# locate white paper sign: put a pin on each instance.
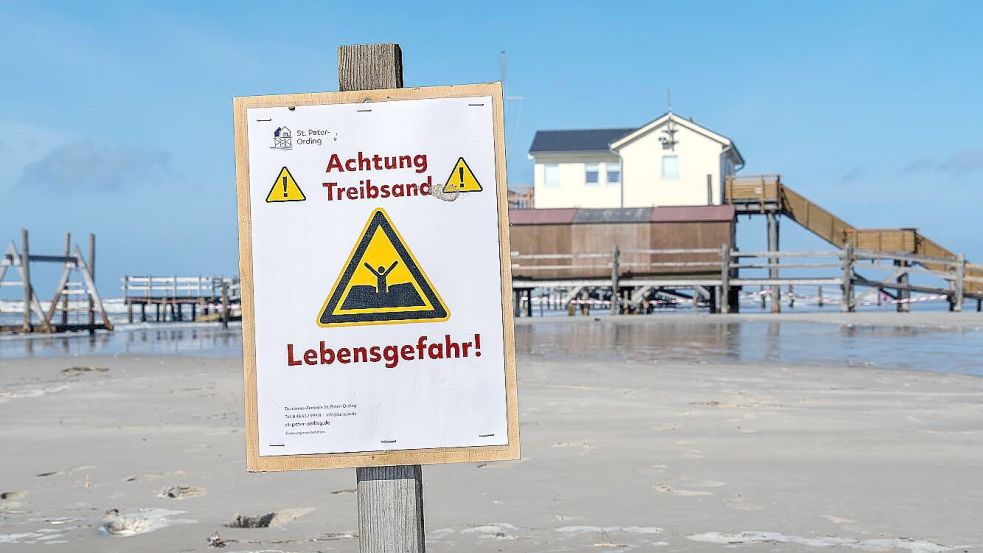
(376, 276)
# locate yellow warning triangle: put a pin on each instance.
(462, 179)
(382, 283)
(285, 189)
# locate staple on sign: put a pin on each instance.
(475, 105)
(388, 441)
(485, 435)
(264, 120)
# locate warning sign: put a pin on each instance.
(381, 283)
(376, 314)
(285, 189)
(462, 179)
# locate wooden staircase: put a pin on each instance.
(768, 194)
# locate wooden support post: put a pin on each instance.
(724, 306)
(959, 285)
(64, 296)
(225, 304)
(390, 499)
(194, 312)
(847, 285)
(903, 295)
(529, 303)
(158, 312)
(821, 302)
(92, 274)
(25, 265)
(143, 312)
(390, 509)
(615, 284)
(776, 291)
(791, 296)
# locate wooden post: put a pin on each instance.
(776, 291)
(64, 296)
(821, 302)
(225, 304)
(903, 295)
(615, 284)
(92, 273)
(143, 312)
(25, 265)
(724, 306)
(847, 286)
(390, 499)
(959, 284)
(529, 303)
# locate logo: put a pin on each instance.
(282, 139)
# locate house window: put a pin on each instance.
(670, 167)
(551, 175)
(613, 173)
(592, 173)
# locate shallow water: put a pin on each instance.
(714, 341)
(659, 340)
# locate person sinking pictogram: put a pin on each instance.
(381, 282)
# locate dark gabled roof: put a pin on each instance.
(583, 140)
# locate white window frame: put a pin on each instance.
(546, 175)
(667, 176)
(596, 171)
(607, 172)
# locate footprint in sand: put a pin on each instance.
(665, 488)
(120, 523)
(739, 503)
(181, 492)
(269, 520)
(838, 520)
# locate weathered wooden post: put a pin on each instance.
(820, 300)
(959, 284)
(724, 306)
(64, 297)
(225, 304)
(529, 303)
(904, 294)
(92, 273)
(25, 271)
(615, 285)
(847, 284)
(776, 291)
(390, 499)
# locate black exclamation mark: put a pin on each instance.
(460, 172)
(284, 186)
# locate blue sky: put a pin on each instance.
(116, 118)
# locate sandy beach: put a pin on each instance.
(645, 433)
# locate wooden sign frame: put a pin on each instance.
(254, 461)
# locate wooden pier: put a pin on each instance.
(62, 314)
(639, 277)
(207, 298)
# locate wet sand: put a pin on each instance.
(670, 451)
